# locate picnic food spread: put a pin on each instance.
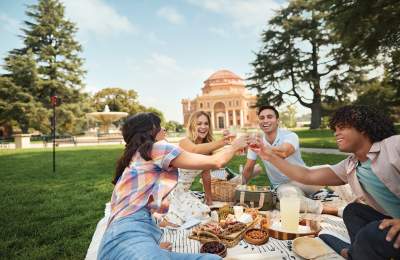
(228, 230)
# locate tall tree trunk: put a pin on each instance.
(316, 109)
(316, 113)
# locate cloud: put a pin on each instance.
(9, 24)
(97, 17)
(163, 63)
(247, 15)
(171, 15)
(154, 39)
(161, 71)
(219, 31)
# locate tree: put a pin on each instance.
(173, 126)
(302, 58)
(122, 100)
(368, 27)
(288, 117)
(157, 112)
(383, 94)
(18, 105)
(49, 38)
(17, 102)
(118, 99)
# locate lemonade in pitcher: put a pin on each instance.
(290, 213)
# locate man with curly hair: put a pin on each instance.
(373, 173)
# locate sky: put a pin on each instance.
(163, 50)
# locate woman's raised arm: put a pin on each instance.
(188, 160)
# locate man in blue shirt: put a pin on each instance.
(286, 145)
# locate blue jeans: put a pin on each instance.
(137, 237)
(367, 240)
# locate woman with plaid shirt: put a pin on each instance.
(145, 174)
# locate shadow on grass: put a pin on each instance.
(50, 215)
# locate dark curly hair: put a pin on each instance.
(139, 132)
(376, 125)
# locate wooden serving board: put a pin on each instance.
(230, 240)
(284, 235)
(235, 235)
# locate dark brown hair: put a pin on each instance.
(139, 132)
(268, 107)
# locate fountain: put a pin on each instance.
(106, 118)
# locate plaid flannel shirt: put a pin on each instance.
(146, 183)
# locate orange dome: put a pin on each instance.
(223, 74)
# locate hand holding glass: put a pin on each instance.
(255, 141)
(229, 135)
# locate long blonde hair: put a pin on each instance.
(191, 127)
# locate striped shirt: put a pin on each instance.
(146, 183)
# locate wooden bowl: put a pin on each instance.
(214, 247)
(314, 226)
(262, 236)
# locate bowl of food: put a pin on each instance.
(214, 247)
(256, 236)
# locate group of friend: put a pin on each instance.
(153, 180)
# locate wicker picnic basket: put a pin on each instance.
(222, 190)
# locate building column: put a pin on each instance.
(241, 118)
(226, 118)
(213, 119)
(234, 118)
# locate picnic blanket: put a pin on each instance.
(277, 249)
(281, 249)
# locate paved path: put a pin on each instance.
(323, 150)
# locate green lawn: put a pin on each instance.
(53, 216)
(316, 138)
(321, 138)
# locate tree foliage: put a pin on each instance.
(173, 126)
(122, 100)
(368, 27)
(288, 117)
(48, 64)
(117, 99)
(302, 58)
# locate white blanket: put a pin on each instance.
(272, 250)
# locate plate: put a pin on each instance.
(309, 248)
(311, 229)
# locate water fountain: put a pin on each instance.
(106, 118)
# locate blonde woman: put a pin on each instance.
(183, 204)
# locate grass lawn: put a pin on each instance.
(53, 216)
(316, 138)
(321, 138)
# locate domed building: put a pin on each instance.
(225, 98)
